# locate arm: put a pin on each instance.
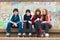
(24, 18)
(41, 19)
(10, 19)
(49, 19)
(46, 21)
(30, 21)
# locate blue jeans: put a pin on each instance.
(9, 26)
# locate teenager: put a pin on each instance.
(15, 21)
(36, 21)
(46, 22)
(27, 23)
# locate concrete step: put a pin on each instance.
(53, 36)
(29, 38)
(15, 35)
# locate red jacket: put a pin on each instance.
(33, 19)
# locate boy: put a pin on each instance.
(15, 21)
(27, 23)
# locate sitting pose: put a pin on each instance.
(15, 21)
(46, 22)
(36, 21)
(27, 23)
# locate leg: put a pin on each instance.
(38, 27)
(9, 25)
(24, 29)
(43, 26)
(38, 24)
(30, 29)
(19, 27)
(37, 30)
(47, 27)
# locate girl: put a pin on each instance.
(36, 21)
(46, 21)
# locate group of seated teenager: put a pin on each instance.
(41, 21)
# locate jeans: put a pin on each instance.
(9, 26)
(25, 25)
(37, 26)
(46, 27)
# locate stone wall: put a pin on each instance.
(6, 9)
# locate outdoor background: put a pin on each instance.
(6, 9)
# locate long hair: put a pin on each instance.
(37, 10)
(46, 14)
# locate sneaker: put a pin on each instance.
(46, 35)
(24, 34)
(42, 35)
(8, 34)
(19, 35)
(30, 34)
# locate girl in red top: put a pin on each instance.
(46, 22)
(36, 21)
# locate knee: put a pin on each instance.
(37, 22)
(47, 25)
(20, 23)
(24, 23)
(9, 25)
(29, 24)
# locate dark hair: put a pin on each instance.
(28, 11)
(15, 10)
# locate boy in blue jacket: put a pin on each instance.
(16, 21)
